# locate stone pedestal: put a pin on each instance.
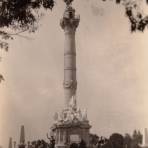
(67, 133)
(71, 126)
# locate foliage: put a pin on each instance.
(136, 139)
(137, 136)
(38, 144)
(20, 15)
(52, 142)
(127, 140)
(116, 140)
(4, 36)
(93, 139)
(42, 144)
(1, 78)
(137, 18)
(96, 141)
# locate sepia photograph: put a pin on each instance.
(73, 73)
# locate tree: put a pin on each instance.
(127, 141)
(52, 141)
(93, 139)
(20, 15)
(23, 15)
(138, 20)
(136, 139)
(38, 144)
(116, 140)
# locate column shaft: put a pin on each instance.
(70, 82)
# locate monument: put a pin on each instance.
(71, 125)
(22, 138)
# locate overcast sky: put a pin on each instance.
(112, 73)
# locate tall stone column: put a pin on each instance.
(71, 125)
(69, 23)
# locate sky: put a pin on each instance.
(112, 69)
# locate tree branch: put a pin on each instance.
(1, 78)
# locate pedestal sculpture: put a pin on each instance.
(71, 125)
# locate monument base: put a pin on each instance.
(72, 128)
(67, 134)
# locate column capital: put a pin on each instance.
(70, 21)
